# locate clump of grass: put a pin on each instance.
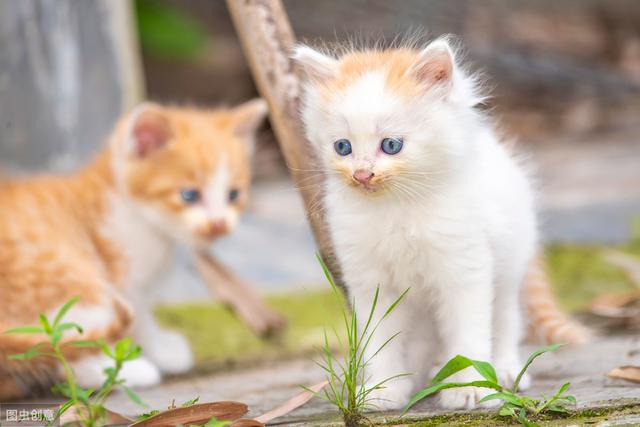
(88, 403)
(514, 405)
(348, 388)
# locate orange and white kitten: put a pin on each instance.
(107, 232)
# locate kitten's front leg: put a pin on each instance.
(168, 350)
(465, 314)
(390, 361)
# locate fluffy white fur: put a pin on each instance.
(457, 225)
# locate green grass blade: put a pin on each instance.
(530, 360)
(133, 396)
(504, 396)
(64, 309)
(395, 303)
(25, 330)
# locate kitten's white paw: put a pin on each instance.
(170, 351)
(508, 372)
(136, 373)
(140, 373)
(395, 395)
(466, 398)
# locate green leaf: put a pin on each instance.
(557, 408)
(45, 324)
(25, 330)
(564, 387)
(214, 422)
(486, 370)
(458, 363)
(59, 331)
(86, 343)
(532, 357)
(64, 309)
(522, 419)
(134, 397)
(149, 414)
(507, 410)
(505, 397)
(442, 386)
(168, 32)
(190, 402)
(454, 365)
(27, 355)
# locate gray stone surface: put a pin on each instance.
(266, 387)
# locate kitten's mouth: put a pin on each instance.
(367, 188)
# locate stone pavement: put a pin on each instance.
(263, 388)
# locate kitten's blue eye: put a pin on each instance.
(233, 195)
(392, 145)
(190, 195)
(342, 147)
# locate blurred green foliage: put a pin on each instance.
(580, 273)
(168, 32)
(218, 336)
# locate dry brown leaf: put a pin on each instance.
(70, 417)
(629, 373)
(293, 403)
(619, 305)
(196, 414)
(244, 422)
(629, 264)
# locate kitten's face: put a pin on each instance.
(189, 170)
(382, 120)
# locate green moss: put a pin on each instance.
(580, 273)
(618, 412)
(217, 336)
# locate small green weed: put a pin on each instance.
(514, 405)
(88, 403)
(347, 389)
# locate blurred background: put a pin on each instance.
(564, 78)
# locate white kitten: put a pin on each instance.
(420, 193)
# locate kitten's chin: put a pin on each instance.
(368, 190)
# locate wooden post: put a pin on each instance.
(267, 39)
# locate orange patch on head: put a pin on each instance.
(395, 63)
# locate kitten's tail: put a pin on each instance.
(546, 322)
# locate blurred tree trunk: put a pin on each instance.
(267, 39)
(68, 69)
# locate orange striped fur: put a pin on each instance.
(546, 322)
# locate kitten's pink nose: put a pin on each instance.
(215, 228)
(363, 176)
(219, 226)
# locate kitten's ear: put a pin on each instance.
(317, 66)
(246, 119)
(435, 65)
(149, 130)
